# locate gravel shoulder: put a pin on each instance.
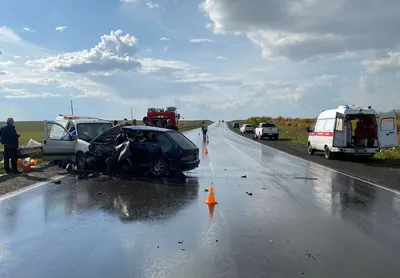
(10, 183)
(381, 174)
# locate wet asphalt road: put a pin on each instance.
(302, 220)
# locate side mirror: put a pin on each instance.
(74, 137)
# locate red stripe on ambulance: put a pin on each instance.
(321, 134)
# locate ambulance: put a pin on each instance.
(352, 130)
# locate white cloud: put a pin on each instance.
(200, 40)
(10, 93)
(129, 1)
(27, 29)
(155, 65)
(16, 57)
(301, 29)
(164, 39)
(390, 62)
(114, 52)
(60, 28)
(206, 78)
(152, 5)
(220, 58)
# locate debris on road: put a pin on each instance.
(250, 194)
(271, 241)
(243, 177)
(180, 242)
(206, 190)
(99, 193)
(263, 188)
(57, 182)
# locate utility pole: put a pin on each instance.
(72, 108)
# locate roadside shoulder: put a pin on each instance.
(9, 183)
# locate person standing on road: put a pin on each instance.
(134, 122)
(10, 140)
(204, 130)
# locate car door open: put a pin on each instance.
(58, 143)
(388, 130)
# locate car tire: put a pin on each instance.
(159, 167)
(310, 149)
(80, 161)
(328, 153)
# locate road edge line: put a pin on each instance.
(29, 187)
(320, 165)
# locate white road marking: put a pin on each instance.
(30, 187)
(322, 166)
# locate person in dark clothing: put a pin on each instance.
(146, 121)
(10, 141)
(115, 122)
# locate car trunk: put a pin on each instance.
(188, 149)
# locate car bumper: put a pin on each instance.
(183, 166)
(367, 151)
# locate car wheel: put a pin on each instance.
(328, 153)
(159, 167)
(80, 161)
(310, 149)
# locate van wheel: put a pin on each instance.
(328, 153)
(159, 167)
(310, 149)
(80, 161)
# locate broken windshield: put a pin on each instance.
(88, 131)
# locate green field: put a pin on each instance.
(35, 130)
(293, 130)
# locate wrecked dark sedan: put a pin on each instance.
(134, 149)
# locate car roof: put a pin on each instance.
(147, 128)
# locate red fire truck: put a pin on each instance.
(160, 116)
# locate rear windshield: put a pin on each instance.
(181, 140)
(249, 126)
(268, 125)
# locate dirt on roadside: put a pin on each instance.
(375, 172)
(14, 182)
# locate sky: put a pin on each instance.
(212, 59)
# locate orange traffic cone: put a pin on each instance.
(211, 198)
(205, 150)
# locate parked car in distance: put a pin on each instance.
(235, 125)
(135, 148)
(246, 128)
(268, 130)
